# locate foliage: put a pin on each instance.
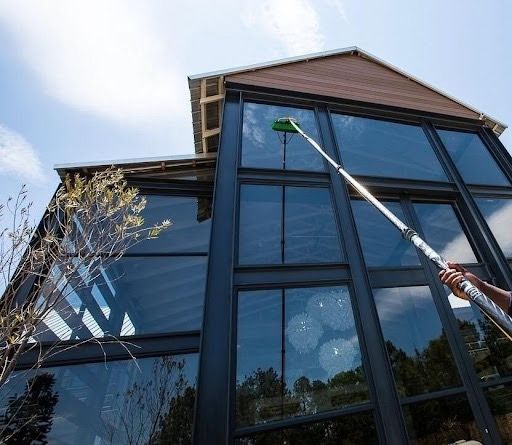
(89, 224)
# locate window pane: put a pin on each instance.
(500, 402)
(260, 224)
(310, 231)
(415, 340)
(379, 148)
(310, 228)
(357, 429)
(443, 232)
(114, 403)
(441, 421)
(472, 158)
(498, 215)
(132, 296)
(259, 360)
(190, 230)
(317, 368)
(489, 349)
(263, 147)
(382, 244)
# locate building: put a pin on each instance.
(298, 310)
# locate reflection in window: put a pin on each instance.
(262, 147)
(443, 232)
(441, 421)
(380, 148)
(500, 402)
(382, 244)
(415, 340)
(498, 214)
(489, 349)
(357, 429)
(297, 353)
(113, 403)
(190, 230)
(472, 158)
(308, 233)
(135, 295)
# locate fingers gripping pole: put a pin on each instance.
(491, 309)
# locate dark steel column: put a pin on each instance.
(212, 404)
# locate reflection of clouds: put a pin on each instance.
(393, 303)
(458, 249)
(252, 125)
(499, 223)
(456, 302)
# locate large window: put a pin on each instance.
(262, 147)
(157, 287)
(472, 158)
(283, 224)
(380, 148)
(297, 353)
(146, 401)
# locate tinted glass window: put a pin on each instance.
(304, 231)
(115, 403)
(500, 402)
(489, 349)
(382, 244)
(133, 296)
(358, 429)
(472, 158)
(417, 346)
(379, 148)
(498, 215)
(260, 224)
(443, 232)
(441, 421)
(297, 353)
(310, 229)
(190, 230)
(265, 148)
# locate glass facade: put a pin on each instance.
(149, 400)
(321, 324)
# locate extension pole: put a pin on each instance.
(488, 307)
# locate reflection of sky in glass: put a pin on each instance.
(262, 146)
(473, 160)
(112, 403)
(381, 148)
(382, 244)
(498, 215)
(443, 232)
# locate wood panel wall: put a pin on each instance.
(356, 78)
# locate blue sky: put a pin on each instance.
(92, 80)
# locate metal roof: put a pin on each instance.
(494, 123)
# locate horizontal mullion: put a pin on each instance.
(404, 276)
(487, 191)
(433, 395)
(282, 176)
(384, 185)
(302, 420)
(286, 275)
(184, 188)
(496, 382)
(147, 254)
(110, 349)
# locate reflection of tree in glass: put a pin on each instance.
(29, 417)
(427, 370)
(262, 396)
(154, 411)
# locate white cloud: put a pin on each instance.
(340, 9)
(103, 57)
(293, 23)
(18, 157)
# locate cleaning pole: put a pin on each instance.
(501, 319)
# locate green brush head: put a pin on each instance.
(283, 124)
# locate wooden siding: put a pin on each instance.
(356, 78)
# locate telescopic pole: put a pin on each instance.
(488, 307)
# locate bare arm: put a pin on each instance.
(453, 276)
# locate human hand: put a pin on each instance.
(452, 276)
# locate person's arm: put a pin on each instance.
(454, 275)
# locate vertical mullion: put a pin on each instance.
(379, 374)
(212, 410)
(449, 322)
